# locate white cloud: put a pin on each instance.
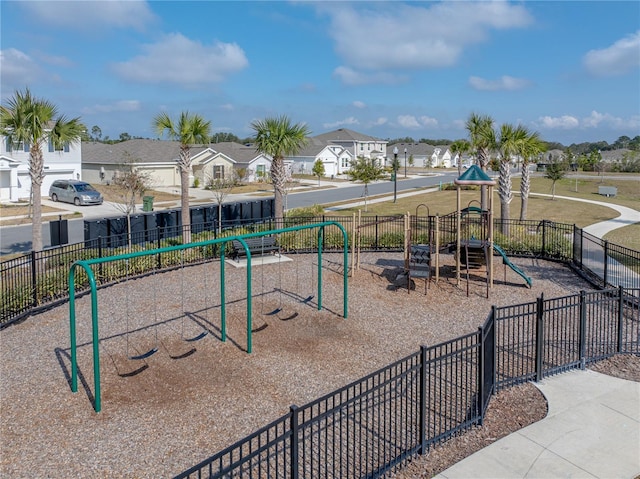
(389, 36)
(349, 76)
(565, 122)
(87, 15)
(410, 121)
(181, 61)
(118, 106)
(505, 82)
(359, 104)
(594, 120)
(227, 107)
(347, 121)
(18, 69)
(621, 57)
(599, 120)
(380, 121)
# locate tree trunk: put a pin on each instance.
(525, 187)
(185, 215)
(366, 194)
(36, 172)
(505, 194)
(278, 178)
(482, 163)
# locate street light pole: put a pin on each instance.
(405, 162)
(395, 173)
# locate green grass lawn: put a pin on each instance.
(444, 202)
(628, 236)
(559, 210)
(628, 190)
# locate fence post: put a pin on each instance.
(581, 249)
(539, 336)
(583, 328)
(480, 377)
(293, 446)
(158, 247)
(606, 262)
(101, 266)
(423, 400)
(34, 280)
(544, 238)
(376, 240)
(620, 317)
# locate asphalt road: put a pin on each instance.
(17, 239)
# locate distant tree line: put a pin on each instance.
(624, 142)
(95, 135)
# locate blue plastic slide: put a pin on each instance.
(506, 261)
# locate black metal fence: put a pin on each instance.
(606, 263)
(378, 423)
(39, 279)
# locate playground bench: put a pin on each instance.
(258, 245)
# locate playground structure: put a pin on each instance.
(220, 244)
(470, 238)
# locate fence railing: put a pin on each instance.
(39, 279)
(373, 426)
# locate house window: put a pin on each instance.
(64, 147)
(344, 162)
(218, 172)
(18, 146)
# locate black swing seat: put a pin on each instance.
(256, 245)
(197, 338)
(151, 352)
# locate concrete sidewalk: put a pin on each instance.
(592, 430)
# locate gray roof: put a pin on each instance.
(339, 137)
(242, 154)
(344, 134)
(415, 149)
(140, 150)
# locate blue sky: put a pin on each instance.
(569, 70)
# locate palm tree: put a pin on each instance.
(511, 140)
(482, 138)
(277, 138)
(35, 122)
(460, 147)
(189, 129)
(528, 150)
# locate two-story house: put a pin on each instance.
(337, 149)
(15, 182)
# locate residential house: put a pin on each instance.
(15, 182)
(425, 155)
(255, 166)
(337, 149)
(158, 158)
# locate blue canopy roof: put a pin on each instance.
(474, 176)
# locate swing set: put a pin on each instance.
(87, 266)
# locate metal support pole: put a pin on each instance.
(395, 177)
(405, 162)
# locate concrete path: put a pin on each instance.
(628, 216)
(592, 430)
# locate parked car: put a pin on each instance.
(76, 192)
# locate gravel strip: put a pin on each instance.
(163, 414)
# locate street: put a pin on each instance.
(17, 239)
